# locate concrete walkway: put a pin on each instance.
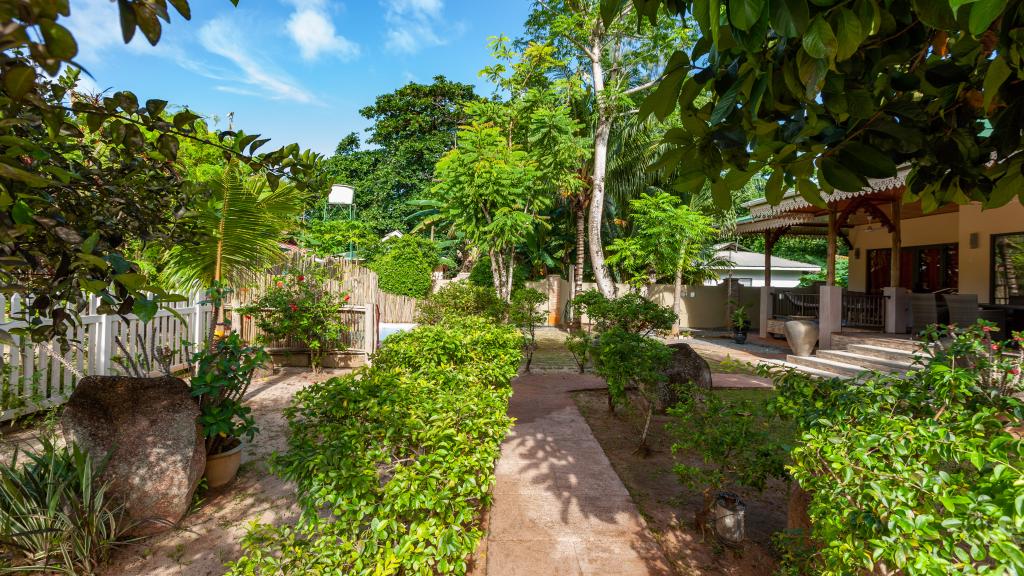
(559, 507)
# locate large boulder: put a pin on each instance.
(148, 430)
(686, 367)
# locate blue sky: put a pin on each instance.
(294, 70)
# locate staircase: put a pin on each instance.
(855, 354)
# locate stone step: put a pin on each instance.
(782, 364)
(883, 352)
(843, 341)
(865, 362)
(827, 365)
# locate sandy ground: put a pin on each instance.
(210, 536)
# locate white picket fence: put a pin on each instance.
(34, 377)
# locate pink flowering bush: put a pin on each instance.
(299, 309)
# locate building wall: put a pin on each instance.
(956, 227)
(780, 278)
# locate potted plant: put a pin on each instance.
(740, 324)
(221, 378)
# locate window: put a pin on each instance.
(922, 268)
(1008, 268)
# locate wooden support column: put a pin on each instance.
(769, 243)
(830, 271)
(895, 258)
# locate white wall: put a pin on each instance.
(780, 278)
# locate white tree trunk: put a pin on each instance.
(602, 134)
(677, 300)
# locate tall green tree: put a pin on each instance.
(827, 94)
(617, 60)
(487, 188)
(411, 129)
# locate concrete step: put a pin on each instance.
(865, 362)
(782, 364)
(882, 352)
(827, 365)
(843, 341)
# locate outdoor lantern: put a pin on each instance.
(341, 194)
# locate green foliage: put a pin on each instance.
(629, 360)
(738, 440)
(579, 343)
(55, 515)
(301, 309)
(667, 239)
(405, 265)
(394, 465)
(336, 237)
(221, 378)
(488, 191)
(630, 312)
(458, 300)
(922, 474)
(842, 274)
(826, 95)
(82, 176)
(740, 319)
(411, 128)
(238, 232)
(523, 313)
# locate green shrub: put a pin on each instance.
(630, 312)
(405, 265)
(458, 300)
(523, 313)
(394, 464)
(917, 475)
(301, 309)
(55, 515)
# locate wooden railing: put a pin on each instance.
(862, 310)
(354, 339)
(790, 302)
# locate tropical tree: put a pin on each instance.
(617, 59)
(487, 188)
(668, 238)
(826, 94)
(238, 232)
(80, 177)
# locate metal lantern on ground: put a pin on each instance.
(341, 195)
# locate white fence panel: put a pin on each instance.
(36, 376)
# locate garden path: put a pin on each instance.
(559, 507)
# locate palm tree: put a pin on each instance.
(239, 233)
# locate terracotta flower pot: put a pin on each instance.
(222, 468)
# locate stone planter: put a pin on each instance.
(802, 335)
(222, 468)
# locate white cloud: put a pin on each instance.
(413, 24)
(95, 25)
(220, 37)
(311, 28)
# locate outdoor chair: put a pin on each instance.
(963, 309)
(925, 311)
(1015, 300)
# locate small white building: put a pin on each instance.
(748, 267)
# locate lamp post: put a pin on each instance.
(340, 195)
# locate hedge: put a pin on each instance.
(395, 463)
(405, 266)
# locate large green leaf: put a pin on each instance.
(18, 80)
(774, 191)
(867, 161)
(850, 34)
(745, 13)
(841, 177)
(789, 18)
(820, 41)
(935, 13)
(997, 74)
(983, 14)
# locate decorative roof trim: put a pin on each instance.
(760, 208)
(772, 223)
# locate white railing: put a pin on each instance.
(35, 376)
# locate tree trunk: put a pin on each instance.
(581, 254)
(677, 300)
(602, 133)
(496, 269)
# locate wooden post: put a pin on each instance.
(895, 259)
(769, 243)
(830, 274)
